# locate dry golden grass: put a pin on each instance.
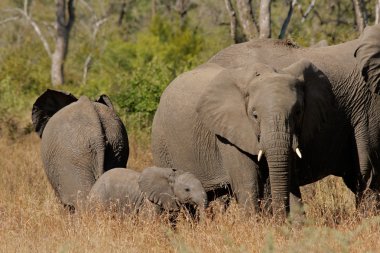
(31, 219)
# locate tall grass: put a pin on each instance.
(32, 220)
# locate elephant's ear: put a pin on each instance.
(368, 57)
(222, 107)
(104, 99)
(46, 105)
(157, 184)
(318, 97)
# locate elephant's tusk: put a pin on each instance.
(259, 155)
(298, 152)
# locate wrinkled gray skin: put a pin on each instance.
(273, 96)
(81, 140)
(168, 188)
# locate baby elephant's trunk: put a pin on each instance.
(201, 203)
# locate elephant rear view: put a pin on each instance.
(81, 139)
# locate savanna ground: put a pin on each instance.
(132, 62)
(32, 220)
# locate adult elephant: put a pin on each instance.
(81, 139)
(273, 98)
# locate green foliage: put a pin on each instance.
(134, 60)
(138, 71)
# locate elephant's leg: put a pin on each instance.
(244, 176)
(375, 190)
(362, 146)
(353, 181)
(368, 202)
(265, 196)
(75, 182)
(297, 212)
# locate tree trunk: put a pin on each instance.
(154, 8)
(359, 14)
(122, 13)
(232, 14)
(247, 19)
(63, 26)
(182, 6)
(377, 20)
(265, 19)
(287, 19)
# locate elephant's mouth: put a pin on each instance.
(297, 150)
(295, 145)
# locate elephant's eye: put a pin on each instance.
(187, 189)
(254, 114)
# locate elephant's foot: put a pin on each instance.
(69, 208)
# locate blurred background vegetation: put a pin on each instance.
(131, 50)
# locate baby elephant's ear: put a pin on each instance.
(104, 99)
(157, 184)
(46, 105)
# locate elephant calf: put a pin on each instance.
(81, 139)
(126, 190)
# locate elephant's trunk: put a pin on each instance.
(278, 152)
(201, 203)
(201, 200)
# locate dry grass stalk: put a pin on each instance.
(31, 219)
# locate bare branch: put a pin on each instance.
(287, 19)
(97, 25)
(377, 20)
(26, 7)
(87, 63)
(308, 10)
(35, 27)
(232, 14)
(86, 67)
(8, 20)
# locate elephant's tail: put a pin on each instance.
(96, 140)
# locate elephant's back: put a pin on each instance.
(282, 53)
(276, 53)
(118, 186)
(177, 134)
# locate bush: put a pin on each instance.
(140, 70)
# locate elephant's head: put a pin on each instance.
(261, 110)
(368, 56)
(171, 188)
(50, 102)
